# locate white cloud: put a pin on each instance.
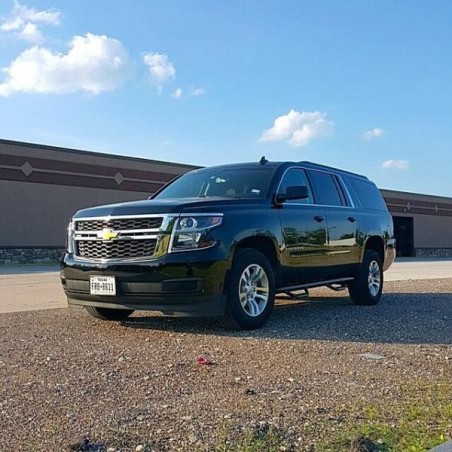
(298, 128)
(50, 16)
(23, 21)
(195, 92)
(94, 64)
(12, 25)
(374, 133)
(160, 67)
(177, 94)
(31, 33)
(395, 164)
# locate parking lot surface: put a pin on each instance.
(418, 269)
(318, 367)
(29, 289)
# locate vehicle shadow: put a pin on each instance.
(421, 318)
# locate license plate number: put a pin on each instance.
(102, 285)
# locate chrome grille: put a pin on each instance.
(118, 238)
(117, 249)
(119, 224)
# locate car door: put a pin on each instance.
(304, 232)
(341, 219)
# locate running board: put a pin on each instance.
(327, 283)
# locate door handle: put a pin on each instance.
(351, 219)
(319, 218)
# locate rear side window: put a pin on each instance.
(326, 189)
(368, 194)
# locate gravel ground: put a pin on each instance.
(66, 376)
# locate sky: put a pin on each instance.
(361, 85)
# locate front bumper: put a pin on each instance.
(190, 288)
(390, 254)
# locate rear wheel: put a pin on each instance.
(251, 291)
(367, 286)
(109, 314)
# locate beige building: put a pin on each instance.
(422, 223)
(42, 186)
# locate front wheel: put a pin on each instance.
(109, 314)
(250, 292)
(367, 286)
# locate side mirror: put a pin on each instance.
(293, 192)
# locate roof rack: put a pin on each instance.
(330, 168)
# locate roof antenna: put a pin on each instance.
(263, 160)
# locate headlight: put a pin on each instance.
(193, 232)
(70, 237)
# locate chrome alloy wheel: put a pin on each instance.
(374, 278)
(253, 290)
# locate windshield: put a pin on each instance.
(223, 182)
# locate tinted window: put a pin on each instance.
(368, 194)
(225, 182)
(296, 177)
(326, 190)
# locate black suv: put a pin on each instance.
(224, 241)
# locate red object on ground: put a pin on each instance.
(204, 360)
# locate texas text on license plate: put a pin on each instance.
(102, 285)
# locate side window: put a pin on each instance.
(296, 177)
(368, 194)
(326, 189)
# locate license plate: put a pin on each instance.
(102, 285)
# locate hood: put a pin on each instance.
(156, 206)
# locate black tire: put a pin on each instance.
(250, 291)
(367, 286)
(109, 314)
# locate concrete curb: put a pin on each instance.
(28, 269)
(445, 447)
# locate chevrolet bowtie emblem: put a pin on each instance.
(108, 234)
